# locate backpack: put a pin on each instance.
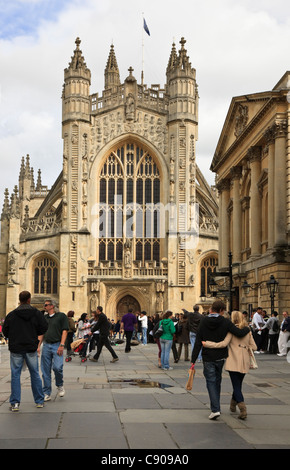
(275, 326)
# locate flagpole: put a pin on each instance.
(142, 73)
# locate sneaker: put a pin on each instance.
(47, 397)
(39, 405)
(214, 415)
(14, 406)
(61, 391)
(281, 354)
(93, 359)
(115, 359)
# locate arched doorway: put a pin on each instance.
(126, 303)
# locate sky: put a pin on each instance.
(236, 46)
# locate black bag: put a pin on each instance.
(159, 331)
(275, 326)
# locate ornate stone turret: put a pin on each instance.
(181, 86)
(182, 129)
(112, 75)
(76, 90)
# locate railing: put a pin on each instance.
(148, 97)
(116, 269)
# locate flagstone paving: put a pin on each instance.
(132, 404)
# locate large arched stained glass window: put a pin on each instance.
(129, 197)
(45, 276)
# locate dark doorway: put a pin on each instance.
(125, 303)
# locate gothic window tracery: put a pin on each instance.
(208, 266)
(45, 276)
(129, 194)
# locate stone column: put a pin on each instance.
(270, 138)
(224, 226)
(280, 198)
(236, 173)
(254, 156)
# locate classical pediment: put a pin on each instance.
(242, 113)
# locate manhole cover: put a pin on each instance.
(140, 383)
(264, 385)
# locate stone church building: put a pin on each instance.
(130, 221)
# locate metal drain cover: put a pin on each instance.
(264, 385)
(140, 383)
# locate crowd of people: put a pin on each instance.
(214, 337)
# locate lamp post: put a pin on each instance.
(214, 287)
(272, 286)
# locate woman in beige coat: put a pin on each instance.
(238, 360)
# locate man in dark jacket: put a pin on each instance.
(24, 327)
(103, 325)
(214, 327)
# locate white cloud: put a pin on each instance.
(236, 46)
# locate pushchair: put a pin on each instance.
(78, 346)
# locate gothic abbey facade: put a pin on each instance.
(130, 221)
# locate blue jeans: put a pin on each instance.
(192, 337)
(212, 372)
(51, 360)
(16, 364)
(144, 335)
(165, 352)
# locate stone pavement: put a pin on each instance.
(132, 404)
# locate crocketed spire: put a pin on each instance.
(77, 60)
(112, 75)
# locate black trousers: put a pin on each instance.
(128, 335)
(104, 341)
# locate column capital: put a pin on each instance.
(270, 135)
(236, 172)
(280, 128)
(223, 185)
(254, 154)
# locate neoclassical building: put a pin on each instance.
(130, 221)
(252, 166)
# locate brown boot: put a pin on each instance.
(233, 405)
(243, 410)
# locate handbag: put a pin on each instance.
(191, 373)
(253, 362)
(159, 332)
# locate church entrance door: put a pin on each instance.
(126, 303)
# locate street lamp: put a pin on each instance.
(272, 286)
(246, 287)
(215, 288)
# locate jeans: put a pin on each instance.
(165, 352)
(16, 364)
(212, 372)
(237, 381)
(50, 359)
(192, 337)
(144, 335)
